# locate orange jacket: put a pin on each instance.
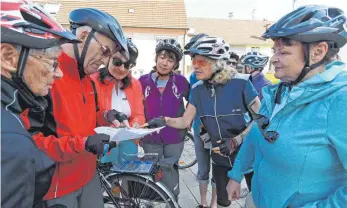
(74, 113)
(133, 93)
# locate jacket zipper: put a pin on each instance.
(56, 186)
(161, 111)
(215, 114)
(83, 97)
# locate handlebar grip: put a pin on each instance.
(106, 147)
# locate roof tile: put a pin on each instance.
(148, 13)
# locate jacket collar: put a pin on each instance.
(16, 99)
(317, 87)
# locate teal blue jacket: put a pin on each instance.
(307, 165)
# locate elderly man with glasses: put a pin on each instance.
(29, 68)
(67, 134)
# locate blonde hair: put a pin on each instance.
(226, 72)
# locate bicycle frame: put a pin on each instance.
(107, 186)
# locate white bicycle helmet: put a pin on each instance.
(211, 47)
(255, 60)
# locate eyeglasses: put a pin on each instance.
(200, 62)
(263, 122)
(233, 63)
(105, 50)
(118, 63)
(50, 63)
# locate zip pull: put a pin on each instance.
(84, 98)
(213, 92)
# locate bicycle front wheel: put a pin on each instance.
(188, 157)
(136, 191)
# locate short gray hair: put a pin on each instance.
(44, 51)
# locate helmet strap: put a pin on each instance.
(307, 68)
(80, 59)
(23, 57)
(18, 77)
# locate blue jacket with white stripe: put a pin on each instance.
(222, 108)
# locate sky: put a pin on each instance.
(243, 9)
(271, 10)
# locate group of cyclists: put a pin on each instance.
(287, 140)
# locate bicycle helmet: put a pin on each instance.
(255, 60)
(170, 45)
(133, 53)
(211, 47)
(309, 24)
(30, 26)
(101, 22)
(194, 39)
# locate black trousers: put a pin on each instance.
(220, 176)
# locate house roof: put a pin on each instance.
(235, 32)
(146, 13)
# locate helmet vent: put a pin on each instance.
(206, 49)
(30, 18)
(307, 17)
(332, 12)
(220, 51)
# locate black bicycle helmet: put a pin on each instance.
(101, 22)
(170, 45)
(133, 53)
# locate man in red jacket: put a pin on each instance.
(66, 133)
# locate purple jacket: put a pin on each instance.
(259, 81)
(169, 104)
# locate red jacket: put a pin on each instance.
(74, 112)
(133, 93)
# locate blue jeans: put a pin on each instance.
(203, 157)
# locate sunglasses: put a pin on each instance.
(105, 50)
(233, 63)
(263, 122)
(118, 63)
(200, 62)
(50, 63)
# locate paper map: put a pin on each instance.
(122, 134)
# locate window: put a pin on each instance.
(255, 49)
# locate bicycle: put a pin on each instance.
(129, 189)
(188, 157)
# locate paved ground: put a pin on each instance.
(190, 196)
